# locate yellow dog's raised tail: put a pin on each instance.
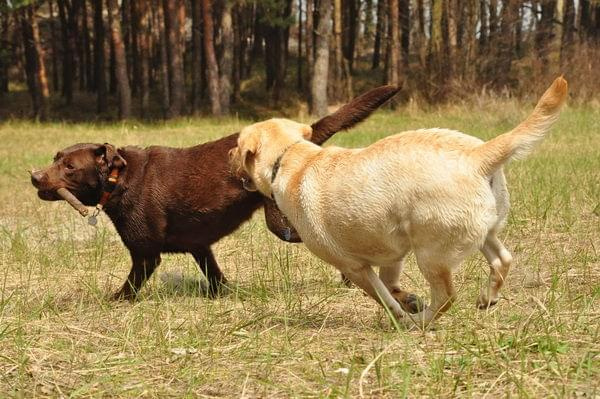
(519, 142)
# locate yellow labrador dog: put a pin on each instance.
(440, 193)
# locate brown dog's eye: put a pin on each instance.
(70, 166)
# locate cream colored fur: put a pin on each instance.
(439, 193)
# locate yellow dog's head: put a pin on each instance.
(259, 147)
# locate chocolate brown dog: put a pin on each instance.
(175, 200)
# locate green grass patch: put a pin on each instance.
(288, 327)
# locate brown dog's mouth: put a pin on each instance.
(48, 195)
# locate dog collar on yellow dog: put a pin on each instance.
(277, 163)
(111, 183)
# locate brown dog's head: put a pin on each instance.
(82, 169)
(259, 146)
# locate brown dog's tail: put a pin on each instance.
(352, 113)
(520, 142)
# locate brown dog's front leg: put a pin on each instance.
(143, 266)
(208, 264)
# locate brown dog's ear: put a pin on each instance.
(108, 154)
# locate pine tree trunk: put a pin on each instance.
(421, 37)
(470, 44)
(4, 53)
(493, 23)
(41, 65)
(163, 62)
(87, 66)
(337, 88)
(405, 28)
(125, 22)
(585, 20)
(196, 56)
(53, 39)
(34, 62)
(394, 69)
(299, 55)
(226, 64)
(276, 39)
(257, 43)
(175, 57)
(68, 44)
(79, 44)
(123, 89)
(99, 58)
(143, 11)
(212, 70)
(597, 26)
(544, 35)
(181, 17)
(519, 32)
(112, 85)
(136, 72)
(448, 29)
(318, 105)
(483, 29)
(365, 44)
(505, 43)
(239, 48)
(379, 32)
(568, 33)
(309, 37)
(434, 51)
(350, 31)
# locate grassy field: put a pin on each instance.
(288, 327)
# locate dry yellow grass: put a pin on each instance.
(288, 328)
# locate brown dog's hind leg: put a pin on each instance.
(208, 264)
(142, 268)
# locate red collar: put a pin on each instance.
(111, 184)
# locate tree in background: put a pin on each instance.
(34, 62)
(212, 70)
(226, 61)
(275, 20)
(174, 42)
(197, 61)
(123, 89)
(197, 56)
(318, 84)
(99, 58)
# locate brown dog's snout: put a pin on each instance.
(37, 177)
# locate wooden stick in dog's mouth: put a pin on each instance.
(72, 200)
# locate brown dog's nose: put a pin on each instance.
(36, 177)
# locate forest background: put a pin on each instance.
(152, 59)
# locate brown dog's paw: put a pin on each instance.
(123, 296)
(410, 303)
(214, 291)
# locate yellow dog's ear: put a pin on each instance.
(250, 147)
(248, 150)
